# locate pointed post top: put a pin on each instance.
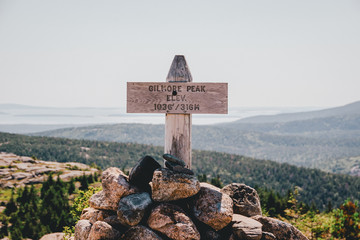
(179, 70)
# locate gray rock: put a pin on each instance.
(177, 168)
(246, 200)
(246, 228)
(82, 229)
(280, 229)
(142, 173)
(168, 185)
(140, 232)
(132, 208)
(213, 207)
(174, 159)
(172, 221)
(102, 230)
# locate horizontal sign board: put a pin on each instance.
(177, 97)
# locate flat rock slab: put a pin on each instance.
(174, 159)
(132, 208)
(172, 221)
(246, 228)
(168, 185)
(142, 173)
(280, 229)
(246, 199)
(213, 207)
(177, 168)
(140, 232)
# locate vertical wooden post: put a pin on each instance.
(178, 126)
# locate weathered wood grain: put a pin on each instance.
(178, 126)
(177, 97)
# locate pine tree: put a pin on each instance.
(71, 186)
(10, 206)
(84, 183)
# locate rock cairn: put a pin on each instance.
(154, 203)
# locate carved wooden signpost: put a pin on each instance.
(178, 97)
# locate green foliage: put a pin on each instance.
(216, 181)
(32, 214)
(347, 221)
(314, 185)
(81, 202)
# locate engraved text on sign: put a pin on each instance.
(169, 97)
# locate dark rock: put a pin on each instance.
(174, 159)
(168, 185)
(246, 200)
(213, 207)
(280, 229)
(173, 222)
(132, 208)
(140, 232)
(246, 228)
(142, 173)
(178, 168)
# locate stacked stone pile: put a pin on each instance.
(170, 203)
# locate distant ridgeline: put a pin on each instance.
(328, 139)
(316, 187)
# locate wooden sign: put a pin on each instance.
(177, 97)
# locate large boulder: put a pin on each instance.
(168, 185)
(115, 186)
(172, 221)
(102, 230)
(142, 173)
(246, 228)
(140, 232)
(115, 183)
(213, 207)
(103, 201)
(246, 200)
(132, 208)
(94, 215)
(280, 229)
(82, 229)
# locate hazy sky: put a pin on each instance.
(72, 53)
